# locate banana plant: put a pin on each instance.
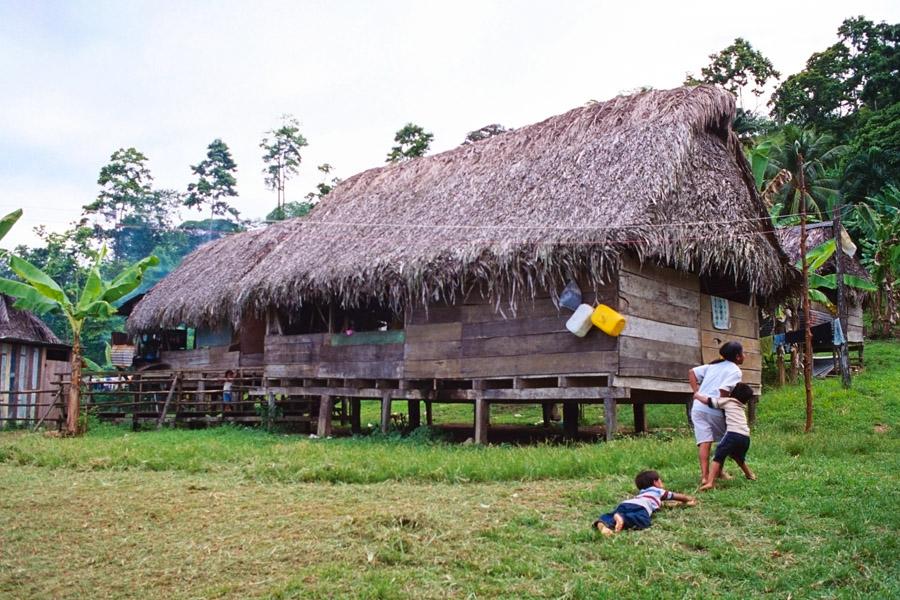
(39, 293)
(817, 257)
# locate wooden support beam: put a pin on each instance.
(570, 419)
(609, 416)
(751, 409)
(640, 417)
(326, 403)
(385, 411)
(270, 412)
(162, 415)
(428, 415)
(415, 413)
(482, 419)
(546, 412)
(355, 425)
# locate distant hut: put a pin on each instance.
(31, 356)
(444, 272)
(822, 316)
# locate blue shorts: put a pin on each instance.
(634, 515)
(226, 396)
(734, 445)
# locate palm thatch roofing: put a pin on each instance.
(659, 174)
(21, 326)
(817, 234)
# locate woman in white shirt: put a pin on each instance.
(709, 423)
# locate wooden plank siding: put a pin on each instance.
(744, 328)
(661, 339)
(854, 324)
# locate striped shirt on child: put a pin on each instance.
(650, 498)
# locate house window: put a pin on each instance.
(720, 318)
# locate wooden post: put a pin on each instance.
(609, 416)
(640, 417)
(751, 409)
(326, 403)
(482, 419)
(546, 411)
(343, 411)
(842, 350)
(428, 416)
(270, 412)
(355, 425)
(385, 411)
(162, 415)
(804, 291)
(570, 418)
(201, 397)
(415, 413)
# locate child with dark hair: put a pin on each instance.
(635, 513)
(708, 422)
(737, 432)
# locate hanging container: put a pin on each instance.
(608, 320)
(580, 322)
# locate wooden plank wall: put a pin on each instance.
(215, 357)
(313, 355)
(661, 339)
(744, 329)
(473, 339)
(854, 324)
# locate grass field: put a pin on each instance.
(232, 513)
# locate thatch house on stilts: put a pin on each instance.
(31, 358)
(822, 316)
(437, 279)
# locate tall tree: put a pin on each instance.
(860, 70)
(281, 154)
(215, 181)
(128, 212)
(737, 67)
(808, 157)
(412, 142)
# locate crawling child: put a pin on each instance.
(635, 513)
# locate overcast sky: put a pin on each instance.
(80, 79)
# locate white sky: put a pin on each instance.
(80, 79)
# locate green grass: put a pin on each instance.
(238, 513)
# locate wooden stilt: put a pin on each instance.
(482, 419)
(546, 411)
(326, 403)
(751, 409)
(415, 414)
(355, 425)
(640, 417)
(570, 419)
(609, 416)
(162, 415)
(428, 416)
(270, 412)
(385, 411)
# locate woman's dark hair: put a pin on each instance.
(729, 351)
(645, 479)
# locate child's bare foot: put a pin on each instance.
(725, 476)
(602, 528)
(620, 522)
(706, 486)
(751, 475)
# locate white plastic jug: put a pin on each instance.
(580, 322)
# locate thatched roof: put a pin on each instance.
(207, 283)
(658, 173)
(817, 234)
(22, 326)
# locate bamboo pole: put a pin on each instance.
(807, 331)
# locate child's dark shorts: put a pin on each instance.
(634, 515)
(734, 445)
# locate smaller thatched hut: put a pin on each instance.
(31, 356)
(818, 234)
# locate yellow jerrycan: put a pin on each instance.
(607, 320)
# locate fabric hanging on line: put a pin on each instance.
(837, 333)
(822, 335)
